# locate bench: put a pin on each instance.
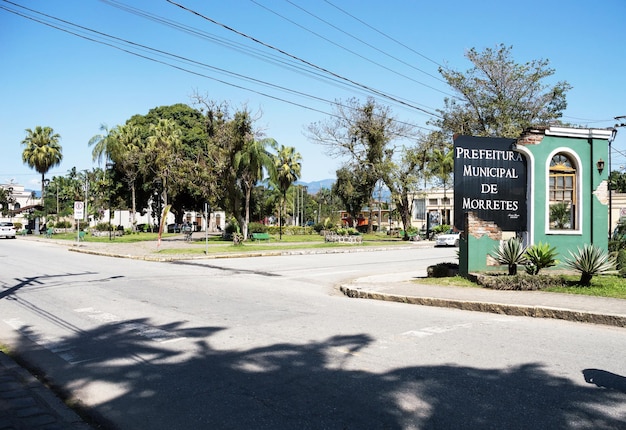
(261, 236)
(81, 236)
(23, 232)
(49, 232)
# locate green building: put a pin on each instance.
(549, 186)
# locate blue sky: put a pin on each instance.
(52, 78)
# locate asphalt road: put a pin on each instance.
(269, 343)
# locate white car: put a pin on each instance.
(7, 229)
(451, 238)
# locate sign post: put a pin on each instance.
(79, 213)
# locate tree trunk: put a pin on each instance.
(246, 221)
(133, 205)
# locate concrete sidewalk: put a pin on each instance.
(27, 404)
(539, 304)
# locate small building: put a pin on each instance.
(550, 186)
(22, 203)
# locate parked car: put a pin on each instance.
(451, 238)
(7, 229)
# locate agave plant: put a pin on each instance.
(540, 256)
(511, 252)
(589, 261)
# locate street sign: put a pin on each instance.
(79, 210)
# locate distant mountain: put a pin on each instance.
(315, 186)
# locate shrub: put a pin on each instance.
(17, 225)
(540, 256)
(511, 252)
(231, 227)
(589, 261)
(103, 226)
(257, 227)
(443, 228)
(521, 282)
(621, 262)
(318, 227)
(63, 224)
(442, 270)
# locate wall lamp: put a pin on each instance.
(600, 165)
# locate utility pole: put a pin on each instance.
(621, 123)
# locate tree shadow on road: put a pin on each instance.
(158, 384)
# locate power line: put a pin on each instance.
(177, 58)
(382, 33)
(281, 61)
(374, 91)
(353, 52)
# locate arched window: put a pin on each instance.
(563, 204)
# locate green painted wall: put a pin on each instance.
(592, 195)
(593, 213)
(476, 260)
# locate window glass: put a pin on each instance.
(562, 193)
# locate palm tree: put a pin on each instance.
(105, 144)
(287, 171)
(42, 151)
(249, 163)
(164, 142)
(127, 157)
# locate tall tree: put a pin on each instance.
(402, 178)
(164, 145)
(42, 151)
(352, 189)
(250, 163)
(287, 170)
(499, 97)
(129, 152)
(362, 134)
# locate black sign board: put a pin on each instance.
(489, 180)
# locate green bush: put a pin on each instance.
(589, 261)
(17, 225)
(63, 224)
(442, 270)
(290, 230)
(232, 227)
(103, 226)
(540, 256)
(621, 262)
(521, 282)
(257, 227)
(438, 229)
(317, 228)
(511, 252)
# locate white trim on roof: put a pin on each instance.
(586, 133)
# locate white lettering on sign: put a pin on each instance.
(487, 154)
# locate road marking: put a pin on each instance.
(56, 346)
(429, 331)
(144, 330)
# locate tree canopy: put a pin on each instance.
(498, 97)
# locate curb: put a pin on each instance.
(497, 308)
(233, 255)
